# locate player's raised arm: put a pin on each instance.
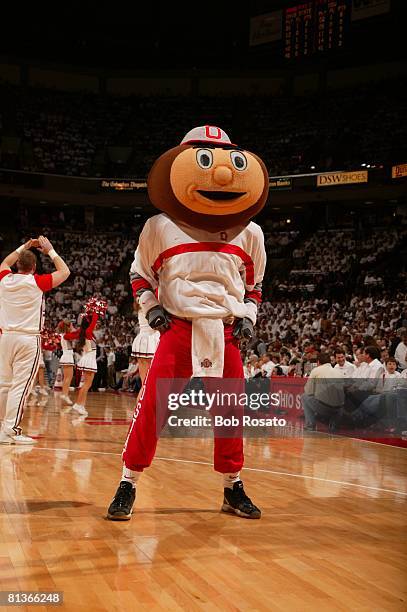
(62, 270)
(12, 258)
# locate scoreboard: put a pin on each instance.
(315, 26)
(298, 30)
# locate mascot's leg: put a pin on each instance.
(172, 360)
(228, 452)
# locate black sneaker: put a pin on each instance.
(236, 501)
(120, 508)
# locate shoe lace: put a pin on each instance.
(122, 496)
(241, 496)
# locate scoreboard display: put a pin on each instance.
(316, 26)
(298, 30)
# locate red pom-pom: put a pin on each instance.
(50, 340)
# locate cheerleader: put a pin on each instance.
(67, 361)
(87, 363)
(144, 345)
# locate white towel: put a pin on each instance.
(208, 347)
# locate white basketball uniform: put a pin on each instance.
(21, 320)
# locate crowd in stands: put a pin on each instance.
(292, 328)
(91, 135)
(277, 242)
(336, 251)
(292, 333)
(332, 262)
(94, 260)
(352, 353)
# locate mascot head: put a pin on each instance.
(208, 182)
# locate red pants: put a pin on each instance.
(173, 360)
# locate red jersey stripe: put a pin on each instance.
(253, 295)
(140, 283)
(215, 247)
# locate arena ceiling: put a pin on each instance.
(168, 35)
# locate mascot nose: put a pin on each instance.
(222, 175)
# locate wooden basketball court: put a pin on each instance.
(332, 536)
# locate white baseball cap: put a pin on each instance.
(209, 134)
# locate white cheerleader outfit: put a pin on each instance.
(146, 342)
(87, 362)
(67, 353)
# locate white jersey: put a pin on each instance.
(199, 273)
(22, 301)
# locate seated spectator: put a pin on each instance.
(323, 396)
(130, 378)
(391, 375)
(343, 367)
(401, 352)
(269, 363)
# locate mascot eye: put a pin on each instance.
(204, 158)
(238, 160)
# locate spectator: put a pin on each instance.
(111, 368)
(323, 396)
(401, 352)
(343, 367)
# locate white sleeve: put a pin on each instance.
(146, 253)
(253, 283)
(259, 259)
(142, 278)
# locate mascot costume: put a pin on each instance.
(197, 277)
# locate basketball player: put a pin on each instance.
(21, 319)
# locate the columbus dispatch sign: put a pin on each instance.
(121, 185)
(328, 179)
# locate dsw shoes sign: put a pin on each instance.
(341, 178)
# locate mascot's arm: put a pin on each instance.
(253, 291)
(143, 281)
(142, 278)
(244, 328)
